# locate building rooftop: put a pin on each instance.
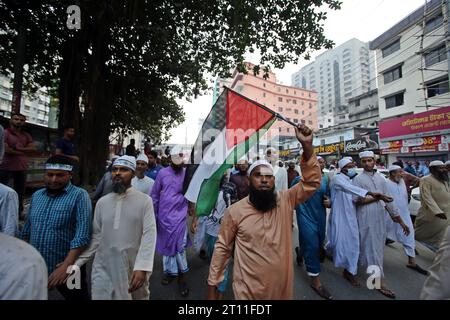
(403, 24)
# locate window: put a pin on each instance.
(280, 99)
(329, 120)
(357, 102)
(390, 48)
(392, 74)
(310, 105)
(278, 89)
(295, 92)
(280, 109)
(437, 87)
(288, 109)
(433, 23)
(264, 94)
(27, 108)
(279, 129)
(287, 91)
(296, 111)
(295, 120)
(436, 55)
(309, 122)
(288, 119)
(303, 112)
(264, 84)
(394, 100)
(287, 130)
(294, 101)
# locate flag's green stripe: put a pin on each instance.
(210, 187)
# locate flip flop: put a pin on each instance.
(353, 282)
(387, 293)
(322, 292)
(183, 288)
(418, 269)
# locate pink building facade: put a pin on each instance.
(298, 105)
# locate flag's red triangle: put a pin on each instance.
(244, 118)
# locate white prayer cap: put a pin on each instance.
(394, 168)
(447, 163)
(272, 150)
(436, 163)
(344, 161)
(142, 157)
(319, 157)
(367, 154)
(242, 161)
(126, 161)
(258, 163)
(176, 155)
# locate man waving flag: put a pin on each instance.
(233, 126)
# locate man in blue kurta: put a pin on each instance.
(311, 220)
(171, 210)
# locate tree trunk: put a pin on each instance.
(18, 66)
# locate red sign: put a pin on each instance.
(416, 125)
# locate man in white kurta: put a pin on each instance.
(370, 213)
(23, 272)
(9, 211)
(343, 234)
(397, 188)
(140, 181)
(123, 240)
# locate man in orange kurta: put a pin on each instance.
(259, 228)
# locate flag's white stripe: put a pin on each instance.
(214, 157)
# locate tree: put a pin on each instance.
(132, 60)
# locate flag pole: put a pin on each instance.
(276, 114)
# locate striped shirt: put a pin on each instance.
(57, 224)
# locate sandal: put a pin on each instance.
(352, 280)
(418, 269)
(183, 288)
(167, 279)
(387, 293)
(322, 292)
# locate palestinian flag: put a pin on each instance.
(232, 127)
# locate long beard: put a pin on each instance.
(119, 187)
(55, 192)
(262, 200)
(441, 176)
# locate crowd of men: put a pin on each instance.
(139, 209)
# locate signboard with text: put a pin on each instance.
(426, 123)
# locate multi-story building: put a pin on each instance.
(413, 84)
(36, 109)
(338, 75)
(363, 110)
(296, 104)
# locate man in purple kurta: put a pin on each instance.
(171, 210)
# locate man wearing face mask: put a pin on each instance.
(432, 217)
(123, 239)
(397, 188)
(343, 232)
(258, 230)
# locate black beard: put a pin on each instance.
(55, 192)
(119, 187)
(441, 176)
(262, 200)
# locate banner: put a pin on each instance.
(330, 148)
(416, 125)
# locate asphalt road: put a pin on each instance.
(405, 282)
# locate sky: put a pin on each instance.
(361, 19)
